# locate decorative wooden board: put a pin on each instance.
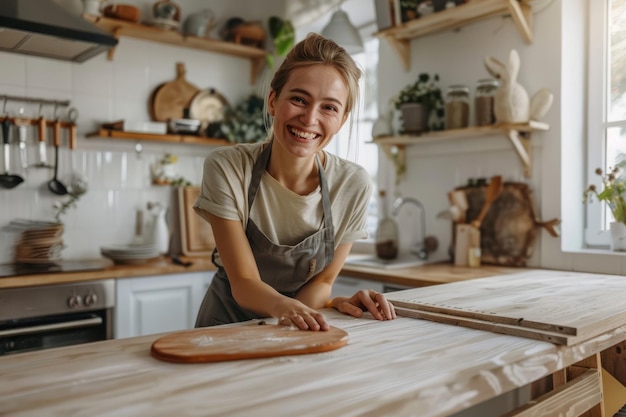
(556, 306)
(509, 229)
(215, 344)
(169, 100)
(196, 233)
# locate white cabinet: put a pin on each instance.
(348, 286)
(165, 303)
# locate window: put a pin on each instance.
(606, 104)
(358, 149)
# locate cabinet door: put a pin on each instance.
(159, 304)
(348, 286)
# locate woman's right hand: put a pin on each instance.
(365, 300)
(291, 312)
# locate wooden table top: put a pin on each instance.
(427, 274)
(388, 368)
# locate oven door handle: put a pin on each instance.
(94, 321)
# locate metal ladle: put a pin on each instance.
(7, 180)
(55, 185)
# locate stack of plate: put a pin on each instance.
(38, 242)
(130, 254)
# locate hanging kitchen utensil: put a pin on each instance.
(214, 344)
(42, 143)
(493, 191)
(22, 130)
(55, 185)
(172, 98)
(7, 180)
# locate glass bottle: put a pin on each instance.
(483, 101)
(457, 107)
(386, 233)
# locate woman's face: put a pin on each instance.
(310, 109)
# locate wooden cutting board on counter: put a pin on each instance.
(216, 344)
(557, 306)
(196, 234)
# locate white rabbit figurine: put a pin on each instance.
(511, 103)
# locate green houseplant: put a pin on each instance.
(421, 104)
(245, 122)
(613, 195)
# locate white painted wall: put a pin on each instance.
(556, 60)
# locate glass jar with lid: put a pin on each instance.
(483, 101)
(457, 107)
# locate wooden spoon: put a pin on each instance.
(493, 191)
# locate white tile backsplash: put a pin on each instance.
(118, 177)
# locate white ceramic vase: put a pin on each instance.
(618, 236)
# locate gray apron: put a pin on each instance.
(284, 268)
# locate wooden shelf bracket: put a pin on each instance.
(402, 47)
(397, 155)
(522, 145)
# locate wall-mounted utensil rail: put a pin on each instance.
(41, 101)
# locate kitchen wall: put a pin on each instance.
(119, 179)
(556, 60)
(104, 91)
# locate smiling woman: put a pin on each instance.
(285, 212)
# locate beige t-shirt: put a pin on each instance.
(285, 217)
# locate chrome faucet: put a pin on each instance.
(419, 249)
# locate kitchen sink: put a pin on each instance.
(372, 261)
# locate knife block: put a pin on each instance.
(467, 245)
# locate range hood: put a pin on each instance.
(44, 28)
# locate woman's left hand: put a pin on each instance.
(365, 300)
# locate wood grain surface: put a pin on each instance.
(576, 306)
(196, 233)
(170, 99)
(400, 368)
(509, 228)
(216, 344)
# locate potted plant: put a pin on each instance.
(283, 38)
(613, 195)
(421, 104)
(245, 122)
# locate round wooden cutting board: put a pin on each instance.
(169, 100)
(214, 344)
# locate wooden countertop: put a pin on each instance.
(388, 368)
(160, 267)
(419, 276)
(426, 274)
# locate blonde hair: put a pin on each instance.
(315, 49)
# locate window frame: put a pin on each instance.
(597, 104)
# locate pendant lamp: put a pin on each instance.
(343, 32)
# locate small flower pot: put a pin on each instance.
(414, 118)
(618, 236)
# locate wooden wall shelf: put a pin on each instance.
(173, 138)
(136, 30)
(519, 134)
(474, 10)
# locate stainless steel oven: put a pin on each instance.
(42, 317)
